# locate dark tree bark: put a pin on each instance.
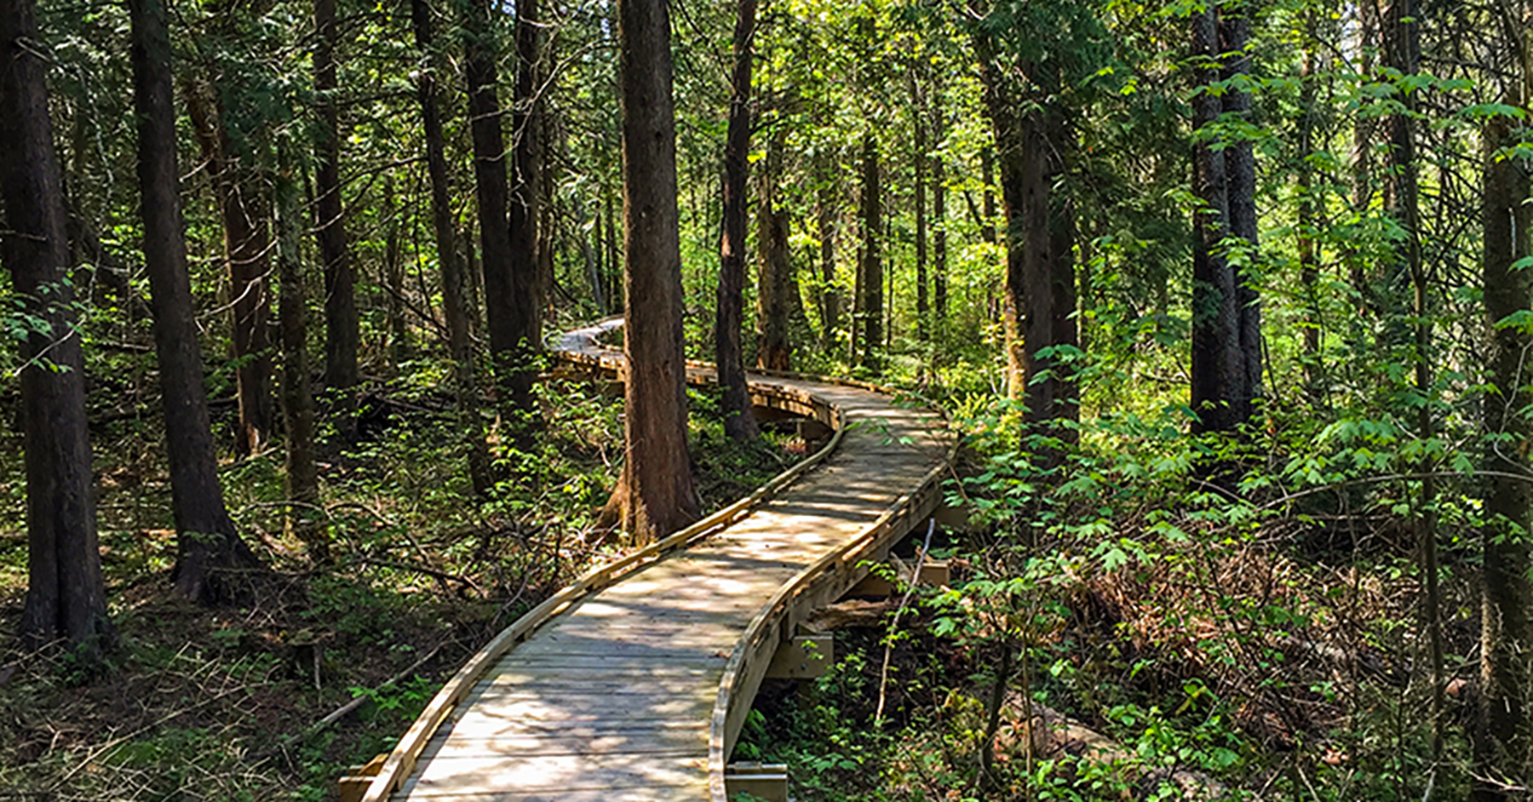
(776, 291)
(1218, 360)
(529, 247)
(247, 246)
(1240, 161)
(207, 543)
(870, 271)
(454, 283)
(342, 325)
(1503, 748)
(394, 274)
(65, 597)
(1402, 46)
(501, 300)
(1309, 222)
(297, 397)
(939, 219)
(739, 422)
(918, 122)
(1032, 138)
(830, 295)
(655, 494)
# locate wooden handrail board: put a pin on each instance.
(669, 643)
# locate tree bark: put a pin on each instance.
(1240, 161)
(65, 595)
(531, 254)
(247, 246)
(870, 303)
(776, 290)
(342, 324)
(939, 217)
(1402, 46)
(830, 294)
(454, 283)
(739, 422)
(394, 274)
(918, 122)
(297, 398)
(1309, 223)
(655, 494)
(503, 316)
(1505, 740)
(207, 543)
(1218, 361)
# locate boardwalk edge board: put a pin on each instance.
(401, 761)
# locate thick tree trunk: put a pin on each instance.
(655, 494)
(531, 254)
(1240, 161)
(454, 284)
(776, 291)
(1218, 362)
(207, 542)
(1402, 46)
(247, 246)
(503, 315)
(65, 596)
(739, 422)
(297, 398)
(870, 291)
(1503, 749)
(342, 325)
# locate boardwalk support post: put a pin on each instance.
(934, 573)
(354, 785)
(803, 657)
(765, 781)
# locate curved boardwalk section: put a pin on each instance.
(635, 690)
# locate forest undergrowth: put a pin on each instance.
(1148, 616)
(236, 702)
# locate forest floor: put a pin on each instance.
(231, 703)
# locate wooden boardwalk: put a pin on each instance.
(636, 691)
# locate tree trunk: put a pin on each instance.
(65, 595)
(918, 122)
(207, 543)
(454, 285)
(529, 252)
(870, 311)
(1309, 223)
(776, 289)
(739, 422)
(297, 397)
(394, 274)
(247, 245)
(655, 494)
(1505, 741)
(342, 325)
(1218, 363)
(1402, 46)
(830, 295)
(503, 315)
(1240, 161)
(939, 217)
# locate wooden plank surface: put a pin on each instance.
(611, 699)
